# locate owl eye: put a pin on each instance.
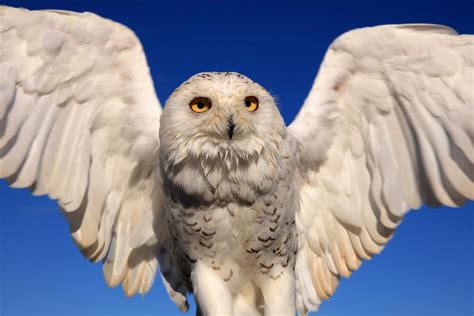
(200, 104)
(251, 103)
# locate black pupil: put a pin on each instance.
(248, 103)
(201, 105)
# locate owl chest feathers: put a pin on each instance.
(242, 212)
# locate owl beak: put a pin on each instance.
(230, 127)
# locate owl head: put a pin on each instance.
(215, 116)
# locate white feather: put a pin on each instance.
(66, 115)
(394, 87)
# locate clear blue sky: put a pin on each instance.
(427, 269)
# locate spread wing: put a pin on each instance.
(79, 122)
(387, 127)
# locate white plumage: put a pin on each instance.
(266, 217)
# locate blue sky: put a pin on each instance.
(427, 269)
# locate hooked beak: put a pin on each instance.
(230, 127)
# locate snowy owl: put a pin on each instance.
(213, 191)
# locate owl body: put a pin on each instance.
(230, 199)
(245, 233)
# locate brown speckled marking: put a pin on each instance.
(196, 230)
(208, 234)
(277, 276)
(264, 240)
(190, 259)
(190, 224)
(230, 276)
(284, 265)
(207, 245)
(276, 219)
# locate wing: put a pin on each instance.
(79, 122)
(386, 127)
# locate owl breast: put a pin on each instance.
(238, 231)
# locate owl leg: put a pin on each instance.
(210, 291)
(247, 300)
(279, 294)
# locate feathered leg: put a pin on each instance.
(279, 294)
(212, 295)
(248, 300)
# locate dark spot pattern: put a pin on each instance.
(230, 276)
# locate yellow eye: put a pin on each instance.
(251, 103)
(200, 104)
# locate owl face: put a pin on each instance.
(215, 114)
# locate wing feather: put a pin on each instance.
(79, 118)
(386, 127)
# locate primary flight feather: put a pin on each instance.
(213, 191)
